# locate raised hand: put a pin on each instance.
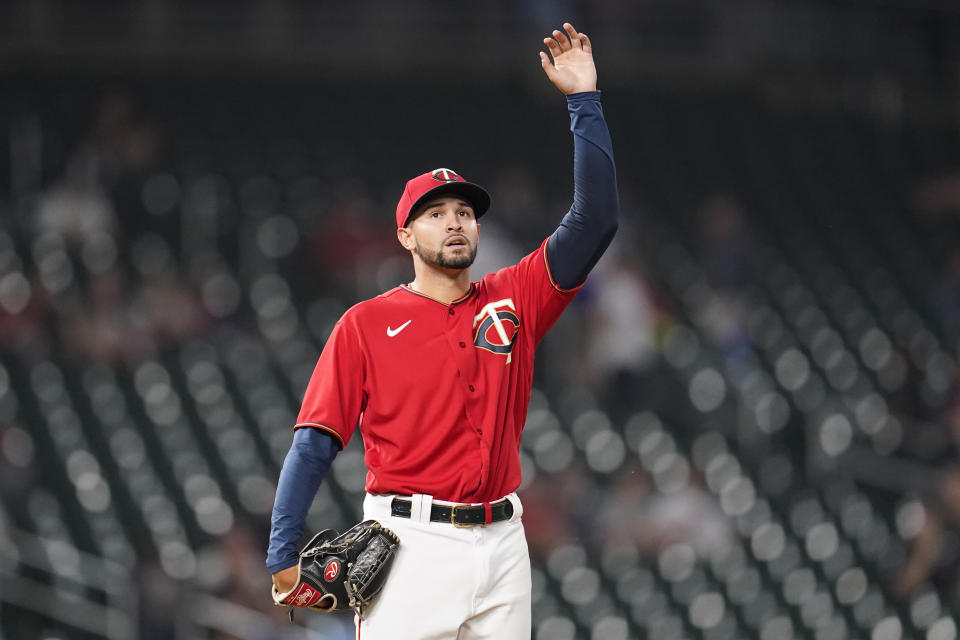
(572, 70)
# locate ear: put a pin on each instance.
(405, 238)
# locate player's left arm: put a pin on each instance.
(588, 227)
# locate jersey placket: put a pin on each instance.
(460, 338)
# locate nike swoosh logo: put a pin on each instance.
(393, 332)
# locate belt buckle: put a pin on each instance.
(453, 517)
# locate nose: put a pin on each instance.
(454, 223)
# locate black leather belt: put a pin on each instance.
(459, 515)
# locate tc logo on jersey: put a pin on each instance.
(445, 175)
(496, 326)
(331, 571)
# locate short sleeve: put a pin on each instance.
(540, 297)
(334, 399)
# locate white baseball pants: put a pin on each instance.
(450, 583)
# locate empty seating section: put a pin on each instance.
(801, 329)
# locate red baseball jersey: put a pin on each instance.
(439, 391)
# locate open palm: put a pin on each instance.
(572, 70)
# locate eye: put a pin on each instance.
(435, 214)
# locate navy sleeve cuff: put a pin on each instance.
(583, 96)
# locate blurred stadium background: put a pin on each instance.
(745, 427)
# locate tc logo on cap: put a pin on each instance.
(446, 175)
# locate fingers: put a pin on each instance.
(554, 47)
(585, 43)
(545, 62)
(572, 34)
(566, 40)
(548, 67)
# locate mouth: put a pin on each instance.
(456, 241)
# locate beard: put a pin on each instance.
(447, 259)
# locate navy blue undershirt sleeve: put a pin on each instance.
(587, 229)
(304, 468)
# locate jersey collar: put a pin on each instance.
(463, 298)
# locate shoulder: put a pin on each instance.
(372, 307)
(532, 276)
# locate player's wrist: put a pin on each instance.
(585, 87)
(582, 96)
(286, 579)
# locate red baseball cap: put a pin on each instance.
(435, 183)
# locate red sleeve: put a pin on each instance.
(334, 400)
(538, 294)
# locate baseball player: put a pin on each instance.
(436, 374)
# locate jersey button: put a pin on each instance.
(471, 388)
(452, 312)
(479, 432)
(463, 345)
